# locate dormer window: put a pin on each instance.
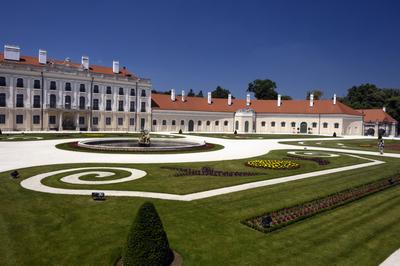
(20, 83)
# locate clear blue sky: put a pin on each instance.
(301, 45)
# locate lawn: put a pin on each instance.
(355, 144)
(256, 136)
(45, 229)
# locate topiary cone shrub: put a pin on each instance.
(180, 131)
(147, 241)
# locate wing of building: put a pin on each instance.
(377, 121)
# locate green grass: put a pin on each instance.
(358, 144)
(45, 229)
(256, 136)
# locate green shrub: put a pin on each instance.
(147, 241)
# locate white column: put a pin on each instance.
(60, 118)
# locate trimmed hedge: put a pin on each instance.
(147, 242)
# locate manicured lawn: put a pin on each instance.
(257, 136)
(358, 144)
(45, 229)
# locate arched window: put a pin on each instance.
(20, 83)
(164, 122)
(226, 123)
(293, 124)
(199, 123)
(263, 123)
(82, 102)
(208, 123)
(173, 122)
(272, 124)
(336, 125)
(53, 101)
(325, 125)
(154, 122)
(283, 124)
(237, 125)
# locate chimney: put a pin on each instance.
(334, 98)
(229, 99)
(42, 57)
(311, 100)
(209, 100)
(173, 96)
(384, 109)
(85, 62)
(279, 100)
(183, 96)
(12, 52)
(115, 67)
(248, 99)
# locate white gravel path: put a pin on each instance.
(392, 260)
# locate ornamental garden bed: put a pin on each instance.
(318, 160)
(273, 164)
(283, 217)
(207, 171)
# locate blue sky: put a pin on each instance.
(301, 45)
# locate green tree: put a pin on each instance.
(147, 242)
(263, 89)
(200, 94)
(317, 94)
(220, 92)
(191, 93)
(286, 97)
(365, 96)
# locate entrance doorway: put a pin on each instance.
(68, 121)
(303, 128)
(246, 126)
(191, 125)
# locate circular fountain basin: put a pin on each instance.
(129, 144)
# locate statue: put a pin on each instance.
(144, 139)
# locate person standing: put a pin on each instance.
(381, 145)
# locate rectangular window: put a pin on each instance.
(217, 123)
(325, 125)
(143, 107)
(272, 124)
(81, 120)
(19, 119)
(82, 88)
(68, 86)
(142, 123)
(336, 125)
(120, 106)
(3, 100)
(20, 83)
(36, 101)
(143, 93)
(53, 85)
(132, 92)
(120, 121)
(263, 123)
(108, 105)
(20, 100)
(2, 119)
(36, 119)
(314, 125)
(52, 119)
(121, 91)
(132, 107)
(108, 121)
(3, 81)
(95, 121)
(131, 121)
(36, 84)
(95, 104)
(108, 90)
(96, 89)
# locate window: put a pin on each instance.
(19, 119)
(336, 125)
(108, 90)
(132, 106)
(142, 123)
(108, 121)
(132, 92)
(293, 124)
(263, 123)
(199, 123)
(96, 89)
(82, 88)
(53, 101)
(143, 93)
(272, 124)
(182, 122)
(36, 101)
(283, 124)
(52, 119)
(68, 86)
(53, 85)
(95, 104)
(2, 100)
(131, 121)
(164, 122)
(121, 91)
(217, 123)
(237, 125)
(36, 119)
(208, 123)
(20, 100)
(154, 122)
(81, 120)
(225, 123)
(314, 125)
(120, 106)
(67, 102)
(2, 119)
(20, 83)
(143, 107)
(173, 122)
(3, 81)
(95, 121)
(108, 105)
(325, 125)
(82, 102)
(120, 121)
(36, 84)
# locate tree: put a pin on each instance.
(147, 242)
(220, 92)
(200, 94)
(286, 97)
(317, 94)
(365, 96)
(191, 93)
(263, 89)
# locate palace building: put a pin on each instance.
(41, 94)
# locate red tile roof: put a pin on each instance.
(376, 115)
(34, 61)
(163, 102)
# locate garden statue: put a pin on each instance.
(144, 139)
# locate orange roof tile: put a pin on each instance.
(163, 102)
(376, 115)
(34, 61)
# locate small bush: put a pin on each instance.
(147, 241)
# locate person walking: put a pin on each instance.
(381, 145)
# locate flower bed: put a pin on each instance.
(283, 217)
(318, 160)
(273, 164)
(207, 171)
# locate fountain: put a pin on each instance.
(144, 139)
